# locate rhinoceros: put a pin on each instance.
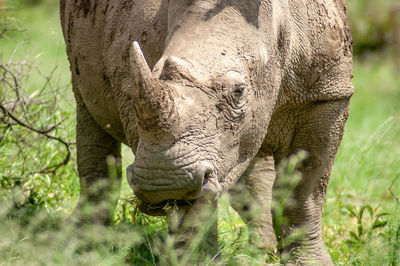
(209, 94)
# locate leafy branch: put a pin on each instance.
(365, 226)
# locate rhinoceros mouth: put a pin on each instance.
(163, 208)
(210, 190)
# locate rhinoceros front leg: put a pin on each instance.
(318, 131)
(99, 190)
(194, 230)
(251, 197)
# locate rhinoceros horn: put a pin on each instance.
(153, 98)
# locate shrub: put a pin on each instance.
(375, 24)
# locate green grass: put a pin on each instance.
(41, 36)
(366, 166)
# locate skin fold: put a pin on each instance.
(211, 96)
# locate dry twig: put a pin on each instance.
(20, 113)
(391, 191)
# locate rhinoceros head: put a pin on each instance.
(199, 125)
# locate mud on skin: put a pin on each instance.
(211, 96)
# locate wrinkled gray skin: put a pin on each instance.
(230, 88)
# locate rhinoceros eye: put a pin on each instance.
(239, 90)
(237, 100)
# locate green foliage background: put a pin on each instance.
(361, 216)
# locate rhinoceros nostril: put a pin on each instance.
(206, 177)
(206, 169)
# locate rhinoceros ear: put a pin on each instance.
(139, 67)
(176, 68)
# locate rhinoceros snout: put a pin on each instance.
(153, 185)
